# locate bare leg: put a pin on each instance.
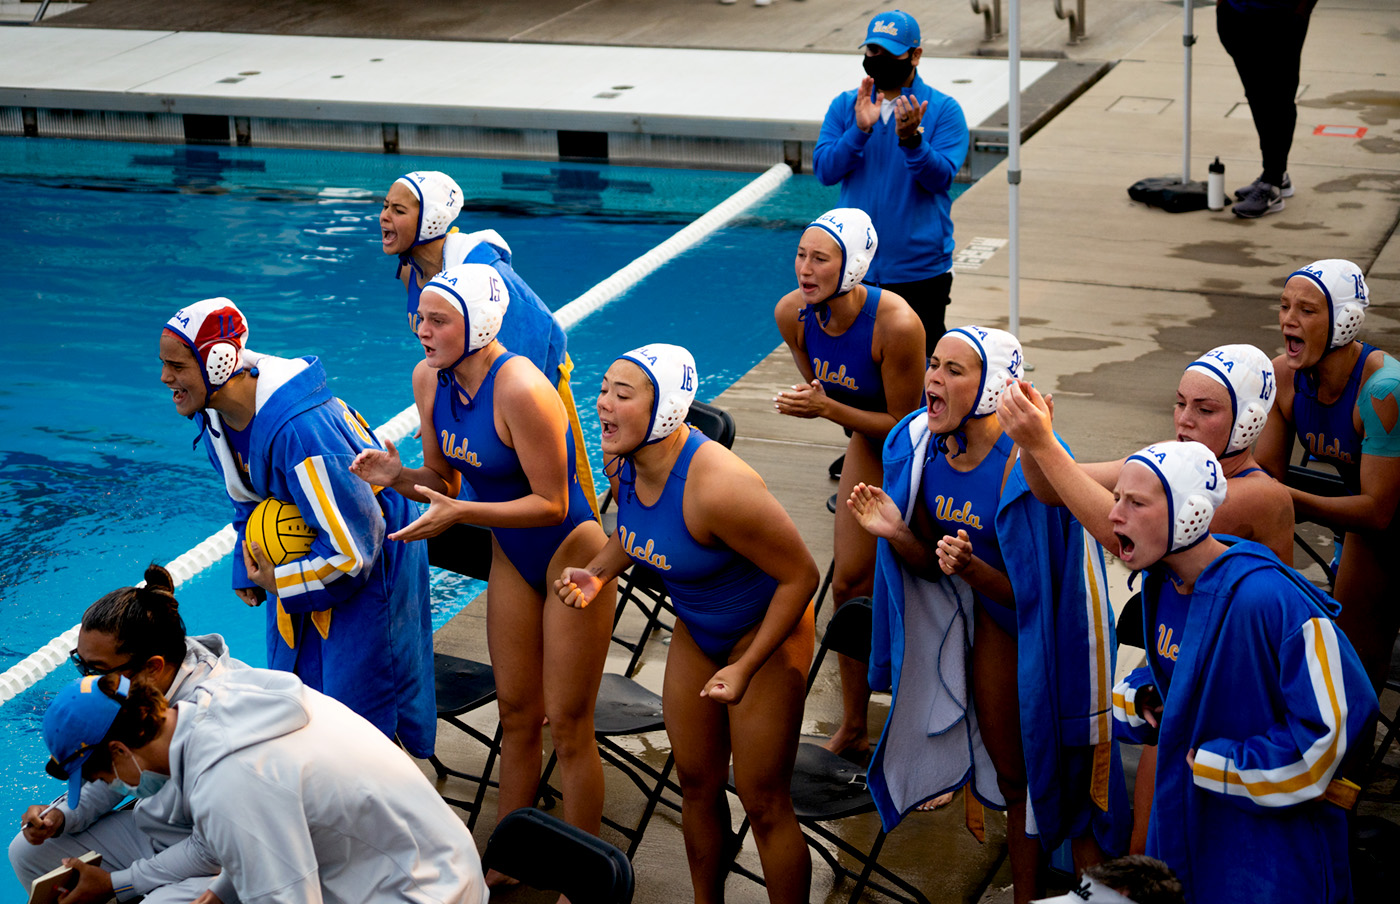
(576, 646)
(763, 731)
(1142, 798)
(998, 713)
(854, 577)
(1366, 589)
(699, 731)
(514, 628)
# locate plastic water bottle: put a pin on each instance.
(1215, 186)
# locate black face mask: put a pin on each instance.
(890, 73)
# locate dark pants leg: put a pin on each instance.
(929, 299)
(1267, 47)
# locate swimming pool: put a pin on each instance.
(97, 474)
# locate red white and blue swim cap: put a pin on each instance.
(216, 331)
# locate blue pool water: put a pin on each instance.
(105, 240)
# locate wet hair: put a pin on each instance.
(138, 722)
(144, 621)
(1144, 879)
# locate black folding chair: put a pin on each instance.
(626, 708)
(1318, 483)
(464, 685)
(549, 854)
(828, 788)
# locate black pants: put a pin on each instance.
(929, 299)
(1267, 47)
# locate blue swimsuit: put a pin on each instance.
(843, 363)
(718, 594)
(466, 434)
(968, 500)
(1327, 431)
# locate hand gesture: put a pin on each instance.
(875, 511)
(805, 400)
(727, 685)
(954, 553)
(94, 883)
(1026, 416)
(378, 467)
(867, 110)
(251, 596)
(441, 514)
(39, 826)
(908, 113)
(208, 898)
(577, 587)
(1148, 701)
(261, 571)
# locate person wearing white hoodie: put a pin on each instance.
(300, 799)
(147, 849)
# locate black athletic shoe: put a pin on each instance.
(1285, 189)
(834, 469)
(1262, 199)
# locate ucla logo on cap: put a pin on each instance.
(895, 31)
(885, 28)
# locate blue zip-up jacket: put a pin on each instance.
(374, 650)
(904, 190)
(1271, 697)
(1065, 658)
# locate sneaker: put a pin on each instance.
(1285, 189)
(1261, 199)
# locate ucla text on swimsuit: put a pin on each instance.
(838, 376)
(1319, 447)
(452, 450)
(644, 553)
(944, 511)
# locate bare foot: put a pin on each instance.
(497, 879)
(854, 745)
(941, 800)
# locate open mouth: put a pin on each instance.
(609, 429)
(388, 236)
(936, 405)
(178, 396)
(1125, 547)
(1295, 346)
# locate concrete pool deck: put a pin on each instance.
(1115, 297)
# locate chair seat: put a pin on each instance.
(461, 684)
(827, 786)
(625, 707)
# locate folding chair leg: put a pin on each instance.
(480, 797)
(826, 585)
(653, 798)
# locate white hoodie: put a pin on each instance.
(304, 801)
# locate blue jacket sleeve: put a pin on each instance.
(840, 143)
(1128, 723)
(241, 511)
(349, 525)
(1327, 701)
(937, 159)
(878, 672)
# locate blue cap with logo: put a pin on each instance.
(895, 31)
(76, 722)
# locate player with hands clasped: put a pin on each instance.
(741, 580)
(1041, 652)
(491, 418)
(1338, 396)
(859, 350)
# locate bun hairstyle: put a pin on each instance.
(138, 722)
(145, 621)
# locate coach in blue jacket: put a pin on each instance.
(895, 145)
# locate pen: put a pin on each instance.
(38, 820)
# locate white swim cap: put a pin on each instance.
(671, 370)
(480, 296)
(1248, 375)
(855, 235)
(439, 202)
(1344, 287)
(1001, 361)
(1195, 488)
(216, 331)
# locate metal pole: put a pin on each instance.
(1013, 162)
(1187, 39)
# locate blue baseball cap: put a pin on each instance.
(76, 722)
(895, 31)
